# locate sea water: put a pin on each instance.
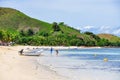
(85, 63)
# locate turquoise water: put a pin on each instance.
(76, 63)
(94, 58)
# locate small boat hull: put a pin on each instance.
(33, 53)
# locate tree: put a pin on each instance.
(76, 42)
(61, 23)
(55, 26)
(22, 33)
(90, 43)
(88, 33)
(45, 34)
(103, 42)
(30, 32)
(2, 35)
(8, 35)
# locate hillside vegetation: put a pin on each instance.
(17, 27)
(110, 37)
(11, 18)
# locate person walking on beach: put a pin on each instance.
(51, 50)
(56, 52)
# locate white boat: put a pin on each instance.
(32, 52)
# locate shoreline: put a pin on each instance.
(61, 47)
(16, 67)
(66, 47)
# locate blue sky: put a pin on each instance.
(98, 16)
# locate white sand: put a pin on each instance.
(16, 67)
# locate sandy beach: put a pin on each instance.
(51, 67)
(16, 67)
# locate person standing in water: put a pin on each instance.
(56, 52)
(51, 50)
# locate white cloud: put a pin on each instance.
(102, 29)
(88, 27)
(105, 29)
(117, 32)
(109, 30)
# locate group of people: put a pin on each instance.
(51, 51)
(56, 50)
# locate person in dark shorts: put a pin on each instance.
(51, 50)
(21, 51)
(56, 52)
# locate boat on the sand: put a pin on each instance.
(35, 52)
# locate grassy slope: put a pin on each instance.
(14, 19)
(11, 18)
(110, 37)
(71, 31)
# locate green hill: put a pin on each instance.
(17, 27)
(110, 37)
(11, 18)
(14, 19)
